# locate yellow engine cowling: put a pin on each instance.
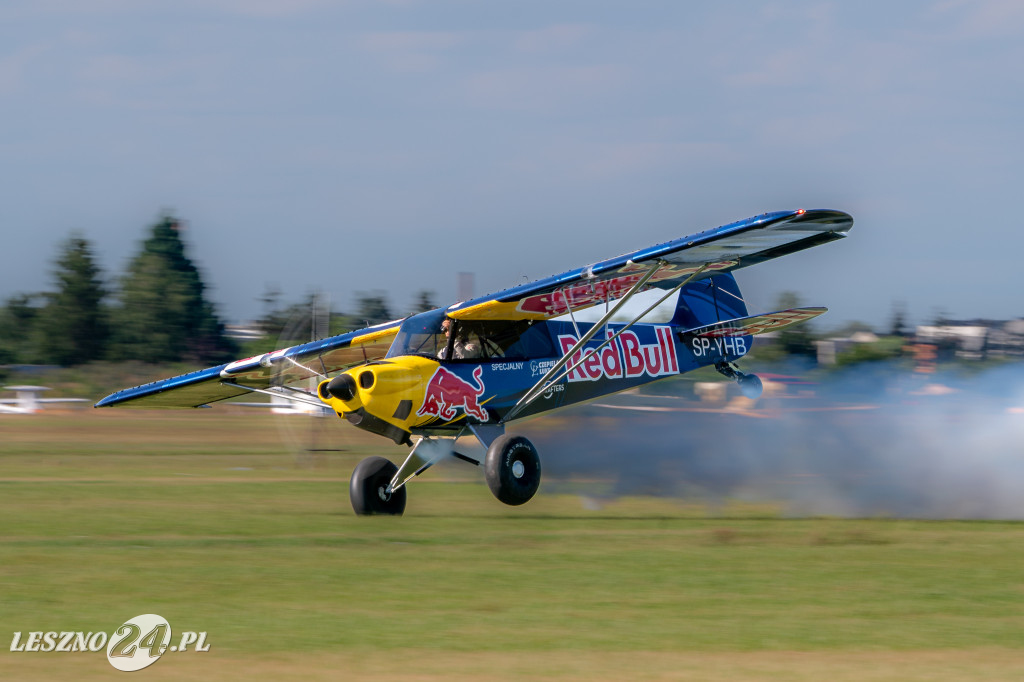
(382, 397)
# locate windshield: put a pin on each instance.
(472, 341)
(420, 335)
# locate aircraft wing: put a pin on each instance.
(719, 250)
(280, 367)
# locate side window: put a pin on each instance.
(500, 340)
(531, 341)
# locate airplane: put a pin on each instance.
(474, 368)
(27, 401)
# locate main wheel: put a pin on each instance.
(366, 488)
(512, 469)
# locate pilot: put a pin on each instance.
(462, 348)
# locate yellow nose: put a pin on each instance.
(379, 388)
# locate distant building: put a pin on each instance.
(968, 340)
(828, 349)
(1007, 339)
(465, 286)
(976, 339)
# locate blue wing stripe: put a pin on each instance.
(803, 229)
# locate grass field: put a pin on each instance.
(201, 517)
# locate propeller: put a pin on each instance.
(304, 431)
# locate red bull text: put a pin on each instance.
(625, 357)
(585, 295)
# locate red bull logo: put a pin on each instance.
(625, 357)
(447, 391)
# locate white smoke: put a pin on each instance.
(871, 441)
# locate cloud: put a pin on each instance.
(410, 51)
(624, 159)
(14, 66)
(983, 18)
(250, 8)
(409, 41)
(544, 89)
(555, 38)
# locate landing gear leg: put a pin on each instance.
(750, 384)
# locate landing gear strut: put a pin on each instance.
(511, 468)
(750, 384)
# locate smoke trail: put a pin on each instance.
(873, 440)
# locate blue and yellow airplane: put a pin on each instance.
(475, 367)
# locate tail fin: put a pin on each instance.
(708, 301)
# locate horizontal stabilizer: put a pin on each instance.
(756, 324)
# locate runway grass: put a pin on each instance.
(203, 518)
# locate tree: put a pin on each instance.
(163, 314)
(19, 329)
(795, 340)
(898, 326)
(73, 322)
(372, 307)
(423, 302)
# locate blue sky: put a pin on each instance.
(352, 146)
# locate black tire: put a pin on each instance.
(366, 488)
(512, 469)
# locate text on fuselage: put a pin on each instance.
(725, 345)
(626, 356)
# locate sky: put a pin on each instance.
(355, 146)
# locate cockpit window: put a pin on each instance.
(494, 340)
(472, 341)
(420, 335)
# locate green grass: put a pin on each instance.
(205, 521)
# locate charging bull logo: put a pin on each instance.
(447, 391)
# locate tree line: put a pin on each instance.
(157, 311)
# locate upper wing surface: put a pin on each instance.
(722, 249)
(280, 367)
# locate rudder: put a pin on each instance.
(710, 300)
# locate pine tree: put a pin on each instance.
(73, 322)
(372, 308)
(163, 313)
(19, 335)
(423, 302)
(898, 326)
(798, 339)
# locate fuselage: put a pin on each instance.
(417, 389)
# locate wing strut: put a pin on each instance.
(279, 394)
(594, 351)
(538, 389)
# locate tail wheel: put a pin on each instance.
(750, 386)
(367, 488)
(512, 469)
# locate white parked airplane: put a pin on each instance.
(27, 401)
